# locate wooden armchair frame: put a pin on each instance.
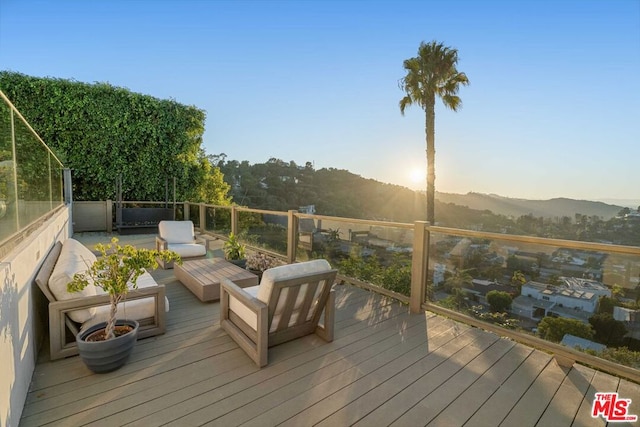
(256, 342)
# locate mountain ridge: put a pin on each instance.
(515, 207)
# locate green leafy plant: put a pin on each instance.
(82, 122)
(233, 248)
(116, 271)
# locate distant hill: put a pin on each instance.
(551, 208)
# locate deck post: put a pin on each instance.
(234, 220)
(203, 217)
(186, 211)
(419, 265)
(292, 234)
(109, 215)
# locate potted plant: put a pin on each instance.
(234, 251)
(106, 346)
(258, 262)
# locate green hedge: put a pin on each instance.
(101, 131)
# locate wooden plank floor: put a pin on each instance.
(385, 367)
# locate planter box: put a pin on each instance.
(141, 220)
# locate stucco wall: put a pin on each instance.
(21, 317)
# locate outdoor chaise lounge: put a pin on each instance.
(287, 304)
(179, 236)
(70, 313)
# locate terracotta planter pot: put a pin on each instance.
(109, 355)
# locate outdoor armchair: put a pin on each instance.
(180, 237)
(289, 303)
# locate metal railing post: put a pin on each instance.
(419, 265)
(292, 234)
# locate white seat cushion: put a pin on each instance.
(134, 309)
(74, 258)
(176, 231)
(187, 250)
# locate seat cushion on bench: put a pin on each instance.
(74, 258)
(136, 309)
(187, 250)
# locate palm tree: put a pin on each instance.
(432, 73)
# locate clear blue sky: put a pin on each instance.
(553, 108)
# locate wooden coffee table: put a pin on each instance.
(202, 276)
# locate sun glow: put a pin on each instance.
(417, 176)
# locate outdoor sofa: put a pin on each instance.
(70, 313)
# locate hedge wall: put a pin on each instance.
(101, 131)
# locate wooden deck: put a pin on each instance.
(385, 367)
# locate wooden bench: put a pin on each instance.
(141, 220)
(203, 276)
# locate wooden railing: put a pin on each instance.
(422, 235)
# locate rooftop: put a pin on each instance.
(385, 366)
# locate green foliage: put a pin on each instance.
(395, 277)
(606, 304)
(554, 328)
(500, 319)
(499, 300)
(101, 132)
(116, 271)
(518, 279)
(457, 280)
(456, 301)
(621, 355)
(233, 249)
(608, 330)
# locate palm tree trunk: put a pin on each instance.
(431, 157)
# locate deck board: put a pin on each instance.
(384, 367)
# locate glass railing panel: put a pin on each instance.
(55, 178)
(218, 220)
(8, 211)
(32, 162)
(194, 214)
(373, 253)
(549, 290)
(265, 231)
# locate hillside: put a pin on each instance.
(552, 208)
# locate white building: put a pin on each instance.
(576, 299)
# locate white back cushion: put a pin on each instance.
(74, 258)
(186, 250)
(176, 231)
(286, 271)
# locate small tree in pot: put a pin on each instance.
(116, 271)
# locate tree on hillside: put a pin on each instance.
(554, 328)
(432, 74)
(608, 331)
(499, 300)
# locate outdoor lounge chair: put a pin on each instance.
(287, 304)
(70, 313)
(179, 236)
